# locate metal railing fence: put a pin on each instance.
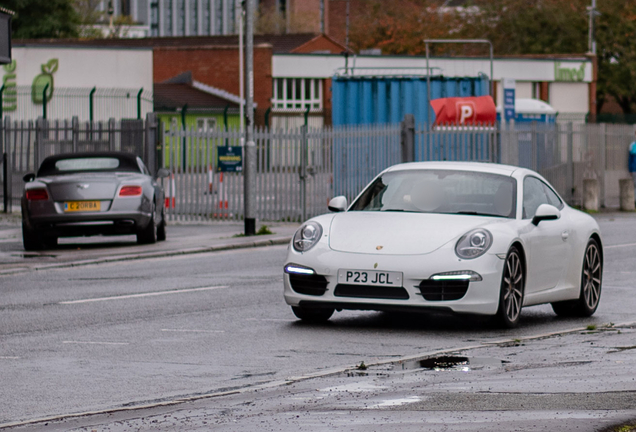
(25, 144)
(88, 104)
(300, 169)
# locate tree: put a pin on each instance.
(616, 46)
(514, 27)
(43, 18)
(401, 27)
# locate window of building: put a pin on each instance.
(297, 93)
(206, 124)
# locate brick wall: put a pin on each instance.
(218, 67)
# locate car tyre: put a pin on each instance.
(148, 235)
(312, 315)
(512, 290)
(161, 229)
(31, 239)
(591, 281)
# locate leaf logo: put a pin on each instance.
(44, 81)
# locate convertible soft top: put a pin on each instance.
(127, 162)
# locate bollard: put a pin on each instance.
(627, 194)
(590, 194)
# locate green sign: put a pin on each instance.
(229, 159)
(10, 94)
(562, 73)
(41, 81)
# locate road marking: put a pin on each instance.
(148, 294)
(95, 343)
(271, 319)
(192, 331)
(619, 246)
(8, 358)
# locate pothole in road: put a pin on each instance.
(457, 363)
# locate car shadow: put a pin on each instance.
(445, 322)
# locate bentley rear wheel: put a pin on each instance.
(148, 235)
(512, 288)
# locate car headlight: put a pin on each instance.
(473, 244)
(307, 236)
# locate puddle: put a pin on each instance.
(456, 363)
(396, 402)
(33, 255)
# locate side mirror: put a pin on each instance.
(163, 173)
(546, 212)
(338, 204)
(28, 177)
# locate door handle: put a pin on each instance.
(565, 235)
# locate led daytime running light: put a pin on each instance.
(468, 275)
(295, 269)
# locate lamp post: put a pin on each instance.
(249, 150)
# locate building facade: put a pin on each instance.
(177, 17)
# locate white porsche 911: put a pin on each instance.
(463, 237)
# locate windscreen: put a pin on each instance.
(441, 191)
(72, 165)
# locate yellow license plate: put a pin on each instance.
(71, 206)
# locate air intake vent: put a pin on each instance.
(443, 290)
(315, 285)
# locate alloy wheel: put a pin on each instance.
(512, 286)
(592, 276)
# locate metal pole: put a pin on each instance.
(46, 87)
(467, 41)
(241, 71)
(139, 103)
(347, 27)
(428, 88)
(1, 100)
(91, 110)
(249, 184)
(184, 141)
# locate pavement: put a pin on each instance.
(182, 238)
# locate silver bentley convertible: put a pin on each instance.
(85, 194)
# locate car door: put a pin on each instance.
(547, 243)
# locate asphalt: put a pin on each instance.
(182, 238)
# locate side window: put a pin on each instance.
(535, 193)
(533, 196)
(553, 199)
(142, 167)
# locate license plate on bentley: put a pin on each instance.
(370, 277)
(73, 206)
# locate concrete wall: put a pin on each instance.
(86, 67)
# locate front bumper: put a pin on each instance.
(481, 297)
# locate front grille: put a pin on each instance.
(442, 290)
(315, 285)
(365, 291)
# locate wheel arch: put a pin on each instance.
(524, 262)
(597, 237)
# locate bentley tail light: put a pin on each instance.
(37, 194)
(130, 191)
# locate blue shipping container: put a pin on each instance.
(368, 100)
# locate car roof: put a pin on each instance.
(484, 167)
